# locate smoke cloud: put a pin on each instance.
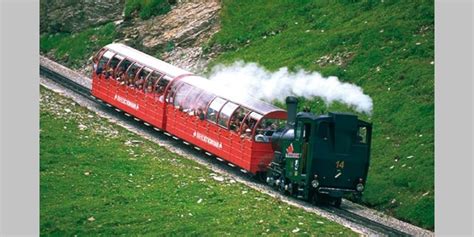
(269, 86)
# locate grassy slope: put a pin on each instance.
(391, 46)
(74, 49)
(99, 179)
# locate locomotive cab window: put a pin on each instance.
(298, 131)
(306, 135)
(323, 131)
(362, 135)
(306, 132)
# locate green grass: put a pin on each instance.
(391, 48)
(146, 8)
(97, 178)
(74, 49)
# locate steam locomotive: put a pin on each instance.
(301, 154)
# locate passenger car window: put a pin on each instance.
(267, 127)
(151, 81)
(201, 103)
(191, 102)
(162, 83)
(121, 76)
(214, 108)
(141, 78)
(95, 60)
(103, 61)
(113, 65)
(181, 93)
(237, 119)
(131, 74)
(252, 119)
(225, 113)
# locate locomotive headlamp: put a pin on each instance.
(315, 183)
(360, 187)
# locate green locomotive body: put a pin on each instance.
(320, 157)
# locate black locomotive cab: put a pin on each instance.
(322, 157)
(340, 158)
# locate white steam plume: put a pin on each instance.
(269, 86)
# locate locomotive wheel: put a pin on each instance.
(261, 176)
(291, 189)
(337, 202)
(281, 187)
(357, 197)
(315, 199)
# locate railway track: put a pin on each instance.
(345, 217)
(361, 220)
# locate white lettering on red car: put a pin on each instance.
(126, 102)
(207, 139)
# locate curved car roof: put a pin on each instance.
(238, 97)
(146, 60)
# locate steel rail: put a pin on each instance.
(364, 221)
(64, 81)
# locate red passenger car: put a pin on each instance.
(234, 127)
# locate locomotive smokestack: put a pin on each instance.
(291, 104)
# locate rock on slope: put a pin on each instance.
(177, 35)
(77, 15)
